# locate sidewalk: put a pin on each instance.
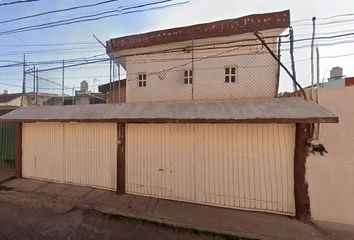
(6, 175)
(62, 198)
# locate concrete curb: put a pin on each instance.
(177, 224)
(62, 205)
(156, 212)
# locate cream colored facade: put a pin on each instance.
(245, 166)
(331, 177)
(77, 153)
(256, 70)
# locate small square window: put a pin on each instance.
(188, 76)
(230, 74)
(142, 80)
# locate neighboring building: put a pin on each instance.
(12, 101)
(331, 177)
(337, 79)
(9, 102)
(217, 136)
(78, 99)
(81, 97)
(116, 91)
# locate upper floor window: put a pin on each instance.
(230, 74)
(142, 80)
(188, 76)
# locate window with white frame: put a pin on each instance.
(142, 80)
(230, 74)
(188, 76)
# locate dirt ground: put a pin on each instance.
(18, 223)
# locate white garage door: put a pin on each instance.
(247, 166)
(78, 153)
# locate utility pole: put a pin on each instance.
(114, 77)
(110, 81)
(118, 81)
(291, 32)
(23, 80)
(62, 83)
(24, 75)
(34, 83)
(278, 70)
(318, 88)
(312, 53)
(36, 86)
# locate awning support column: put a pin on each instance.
(302, 199)
(121, 158)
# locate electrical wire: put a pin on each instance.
(94, 17)
(17, 2)
(57, 11)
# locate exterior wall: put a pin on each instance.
(119, 96)
(336, 83)
(78, 153)
(256, 74)
(331, 177)
(246, 166)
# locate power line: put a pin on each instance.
(324, 18)
(85, 61)
(57, 11)
(88, 18)
(17, 2)
(49, 44)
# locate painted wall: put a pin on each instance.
(118, 95)
(331, 178)
(256, 75)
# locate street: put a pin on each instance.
(24, 223)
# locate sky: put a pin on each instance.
(13, 46)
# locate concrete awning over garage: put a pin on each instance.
(277, 110)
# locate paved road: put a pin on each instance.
(18, 223)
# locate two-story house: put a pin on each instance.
(214, 61)
(201, 123)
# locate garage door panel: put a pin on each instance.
(249, 166)
(42, 151)
(181, 144)
(78, 153)
(90, 154)
(147, 170)
(246, 166)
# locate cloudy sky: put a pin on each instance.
(13, 46)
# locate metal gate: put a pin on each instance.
(7, 145)
(246, 166)
(78, 153)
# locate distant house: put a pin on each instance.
(202, 123)
(12, 101)
(116, 91)
(9, 102)
(78, 99)
(81, 97)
